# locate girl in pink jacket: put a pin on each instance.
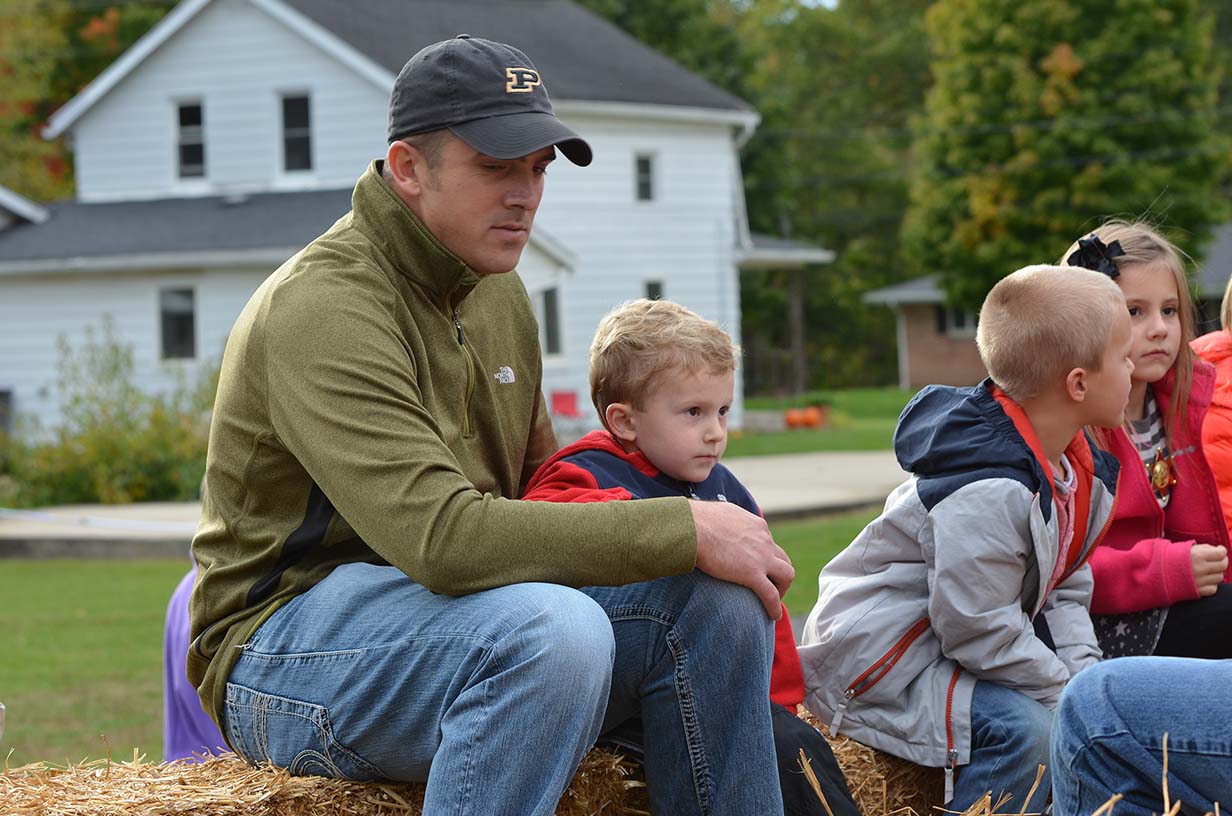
(1161, 574)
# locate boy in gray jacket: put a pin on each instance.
(946, 631)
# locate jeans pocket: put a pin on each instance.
(291, 734)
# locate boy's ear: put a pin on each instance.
(619, 416)
(1076, 386)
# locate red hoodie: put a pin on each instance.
(597, 468)
(1216, 349)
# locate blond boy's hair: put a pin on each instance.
(640, 340)
(1141, 243)
(1042, 321)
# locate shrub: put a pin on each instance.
(115, 443)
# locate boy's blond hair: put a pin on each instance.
(1142, 243)
(1042, 321)
(641, 339)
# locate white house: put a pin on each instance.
(231, 133)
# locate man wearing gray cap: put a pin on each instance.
(372, 602)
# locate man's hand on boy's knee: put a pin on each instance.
(735, 545)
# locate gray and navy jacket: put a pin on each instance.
(950, 584)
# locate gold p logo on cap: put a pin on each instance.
(521, 80)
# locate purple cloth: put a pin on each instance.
(186, 726)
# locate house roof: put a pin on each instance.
(582, 56)
(916, 290)
(770, 252)
(175, 233)
(20, 208)
(1210, 280)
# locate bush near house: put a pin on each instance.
(115, 444)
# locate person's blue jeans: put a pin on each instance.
(1110, 735)
(1009, 741)
(493, 698)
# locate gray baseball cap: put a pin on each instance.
(488, 93)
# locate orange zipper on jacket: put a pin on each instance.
(880, 669)
(951, 752)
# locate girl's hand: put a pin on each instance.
(1209, 564)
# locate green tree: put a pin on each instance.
(29, 50)
(50, 50)
(1046, 115)
(830, 165)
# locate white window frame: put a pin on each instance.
(310, 171)
(542, 317)
(196, 322)
(652, 159)
(179, 141)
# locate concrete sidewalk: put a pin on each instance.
(787, 486)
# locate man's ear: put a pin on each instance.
(408, 169)
(619, 416)
(1076, 386)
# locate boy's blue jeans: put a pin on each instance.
(494, 698)
(1009, 735)
(1110, 734)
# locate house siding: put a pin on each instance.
(125, 146)
(36, 311)
(933, 357)
(685, 237)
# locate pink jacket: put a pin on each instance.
(1143, 562)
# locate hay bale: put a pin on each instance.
(881, 783)
(227, 786)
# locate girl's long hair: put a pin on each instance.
(1142, 243)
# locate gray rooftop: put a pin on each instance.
(581, 55)
(176, 225)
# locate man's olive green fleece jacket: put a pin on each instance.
(379, 401)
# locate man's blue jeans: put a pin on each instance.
(1009, 735)
(1109, 736)
(493, 698)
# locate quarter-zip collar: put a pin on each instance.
(406, 243)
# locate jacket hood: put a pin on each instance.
(600, 440)
(946, 430)
(1214, 347)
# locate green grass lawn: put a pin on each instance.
(81, 655)
(81, 644)
(811, 543)
(859, 419)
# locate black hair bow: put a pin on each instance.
(1093, 254)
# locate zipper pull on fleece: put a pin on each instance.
(838, 712)
(951, 762)
(458, 324)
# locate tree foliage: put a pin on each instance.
(830, 165)
(50, 50)
(1046, 115)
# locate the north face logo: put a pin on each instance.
(521, 80)
(504, 376)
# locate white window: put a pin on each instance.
(177, 319)
(643, 169)
(956, 322)
(549, 321)
(191, 140)
(6, 411)
(654, 290)
(296, 134)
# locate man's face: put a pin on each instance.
(482, 208)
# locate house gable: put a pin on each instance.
(126, 142)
